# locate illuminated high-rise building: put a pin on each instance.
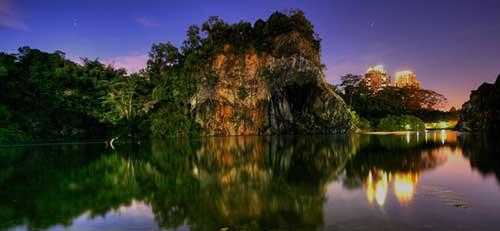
(406, 79)
(376, 78)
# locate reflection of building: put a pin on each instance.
(376, 78)
(404, 186)
(376, 187)
(406, 79)
(378, 181)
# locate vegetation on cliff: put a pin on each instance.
(208, 183)
(225, 79)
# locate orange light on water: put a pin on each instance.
(376, 187)
(404, 186)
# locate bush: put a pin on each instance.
(170, 120)
(401, 123)
(360, 122)
(364, 124)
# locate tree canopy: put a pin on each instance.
(45, 96)
(375, 105)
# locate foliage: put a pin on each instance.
(481, 111)
(364, 124)
(9, 132)
(50, 97)
(128, 100)
(178, 73)
(360, 122)
(171, 120)
(401, 123)
(375, 105)
(185, 181)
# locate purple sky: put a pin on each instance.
(452, 45)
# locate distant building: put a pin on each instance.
(376, 78)
(406, 79)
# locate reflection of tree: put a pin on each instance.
(53, 185)
(483, 152)
(251, 183)
(254, 183)
(391, 154)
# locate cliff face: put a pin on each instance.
(250, 93)
(482, 111)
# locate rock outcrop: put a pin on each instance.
(253, 93)
(482, 111)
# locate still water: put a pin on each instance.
(411, 181)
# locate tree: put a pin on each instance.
(128, 101)
(349, 86)
(193, 40)
(389, 100)
(162, 58)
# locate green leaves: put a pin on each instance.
(401, 123)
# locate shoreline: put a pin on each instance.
(401, 132)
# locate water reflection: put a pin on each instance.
(250, 183)
(379, 181)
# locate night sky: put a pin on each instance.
(452, 45)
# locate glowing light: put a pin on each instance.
(406, 78)
(404, 186)
(401, 74)
(376, 187)
(381, 190)
(443, 136)
(377, 68)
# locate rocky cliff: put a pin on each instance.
(482, 111)
(249, 79)
(253, 93)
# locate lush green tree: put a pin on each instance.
(193, 40)
(401, 123)
(375, 105)
(163, 57)
(349, 86)
(49, 97)
(129, 101)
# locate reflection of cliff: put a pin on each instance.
(483, 152)
(250, 183)
(257, 183)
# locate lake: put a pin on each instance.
(436, 180)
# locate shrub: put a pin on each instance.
(170, 120)
(401, 123)
(360, 122)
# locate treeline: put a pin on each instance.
(47, 97)
(393, 107)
